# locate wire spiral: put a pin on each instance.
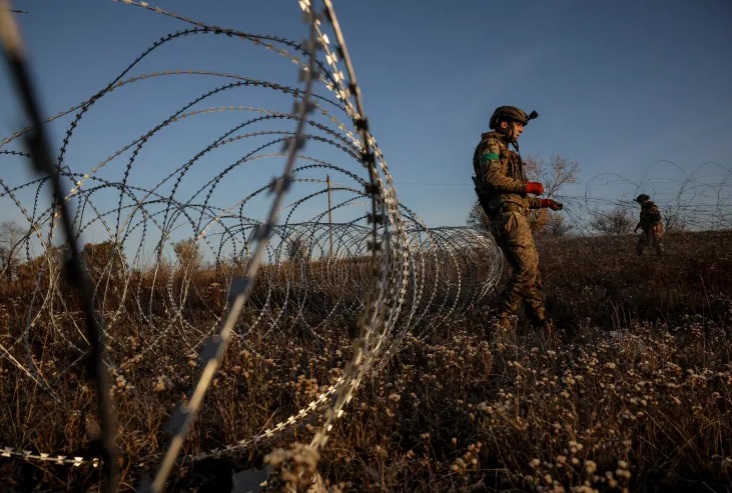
(223, 233)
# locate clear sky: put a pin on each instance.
(621, 86)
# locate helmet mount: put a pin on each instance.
(510, 114)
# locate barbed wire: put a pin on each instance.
(692, 202)
(376, 260)
(38, 145)
(222, 233)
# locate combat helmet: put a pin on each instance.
(510, 113)
(642, 198)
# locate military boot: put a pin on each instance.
(542, 325)
(547, 329)
(639, 246)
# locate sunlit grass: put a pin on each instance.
(636, 390)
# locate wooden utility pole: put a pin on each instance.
(330, 216)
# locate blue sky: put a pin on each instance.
(622, 87)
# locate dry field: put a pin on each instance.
(635, 394)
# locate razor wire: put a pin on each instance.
(38, 144)
(181, 252)
(692, 201)
(177, 246)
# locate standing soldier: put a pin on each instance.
(502, 189)
(650, 223)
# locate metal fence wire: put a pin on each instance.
(374, 256)
(226, 218)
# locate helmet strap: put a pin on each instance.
(511, 130)
(508, 133)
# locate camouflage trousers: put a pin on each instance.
(653, 235)
(524, 284)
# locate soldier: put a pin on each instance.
(503, 193)
(650, 223)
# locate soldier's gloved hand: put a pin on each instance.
(552, 204)
(534, 187)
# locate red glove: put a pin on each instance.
(553, 205)
(534, 187)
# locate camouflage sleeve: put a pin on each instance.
(492, 171)
(534, 203)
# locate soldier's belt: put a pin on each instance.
(510, 208)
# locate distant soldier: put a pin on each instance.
(502, 189)
(650, 223)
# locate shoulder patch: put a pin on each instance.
(488, 156)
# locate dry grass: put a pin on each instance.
(636, 395)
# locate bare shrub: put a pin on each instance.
(615, 222)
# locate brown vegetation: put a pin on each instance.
(636, 393)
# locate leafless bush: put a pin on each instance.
(615, 222)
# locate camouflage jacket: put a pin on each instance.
(649, 215)
(500, 174)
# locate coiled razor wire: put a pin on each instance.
(38, 144)
(371, 256)
(180, 249)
